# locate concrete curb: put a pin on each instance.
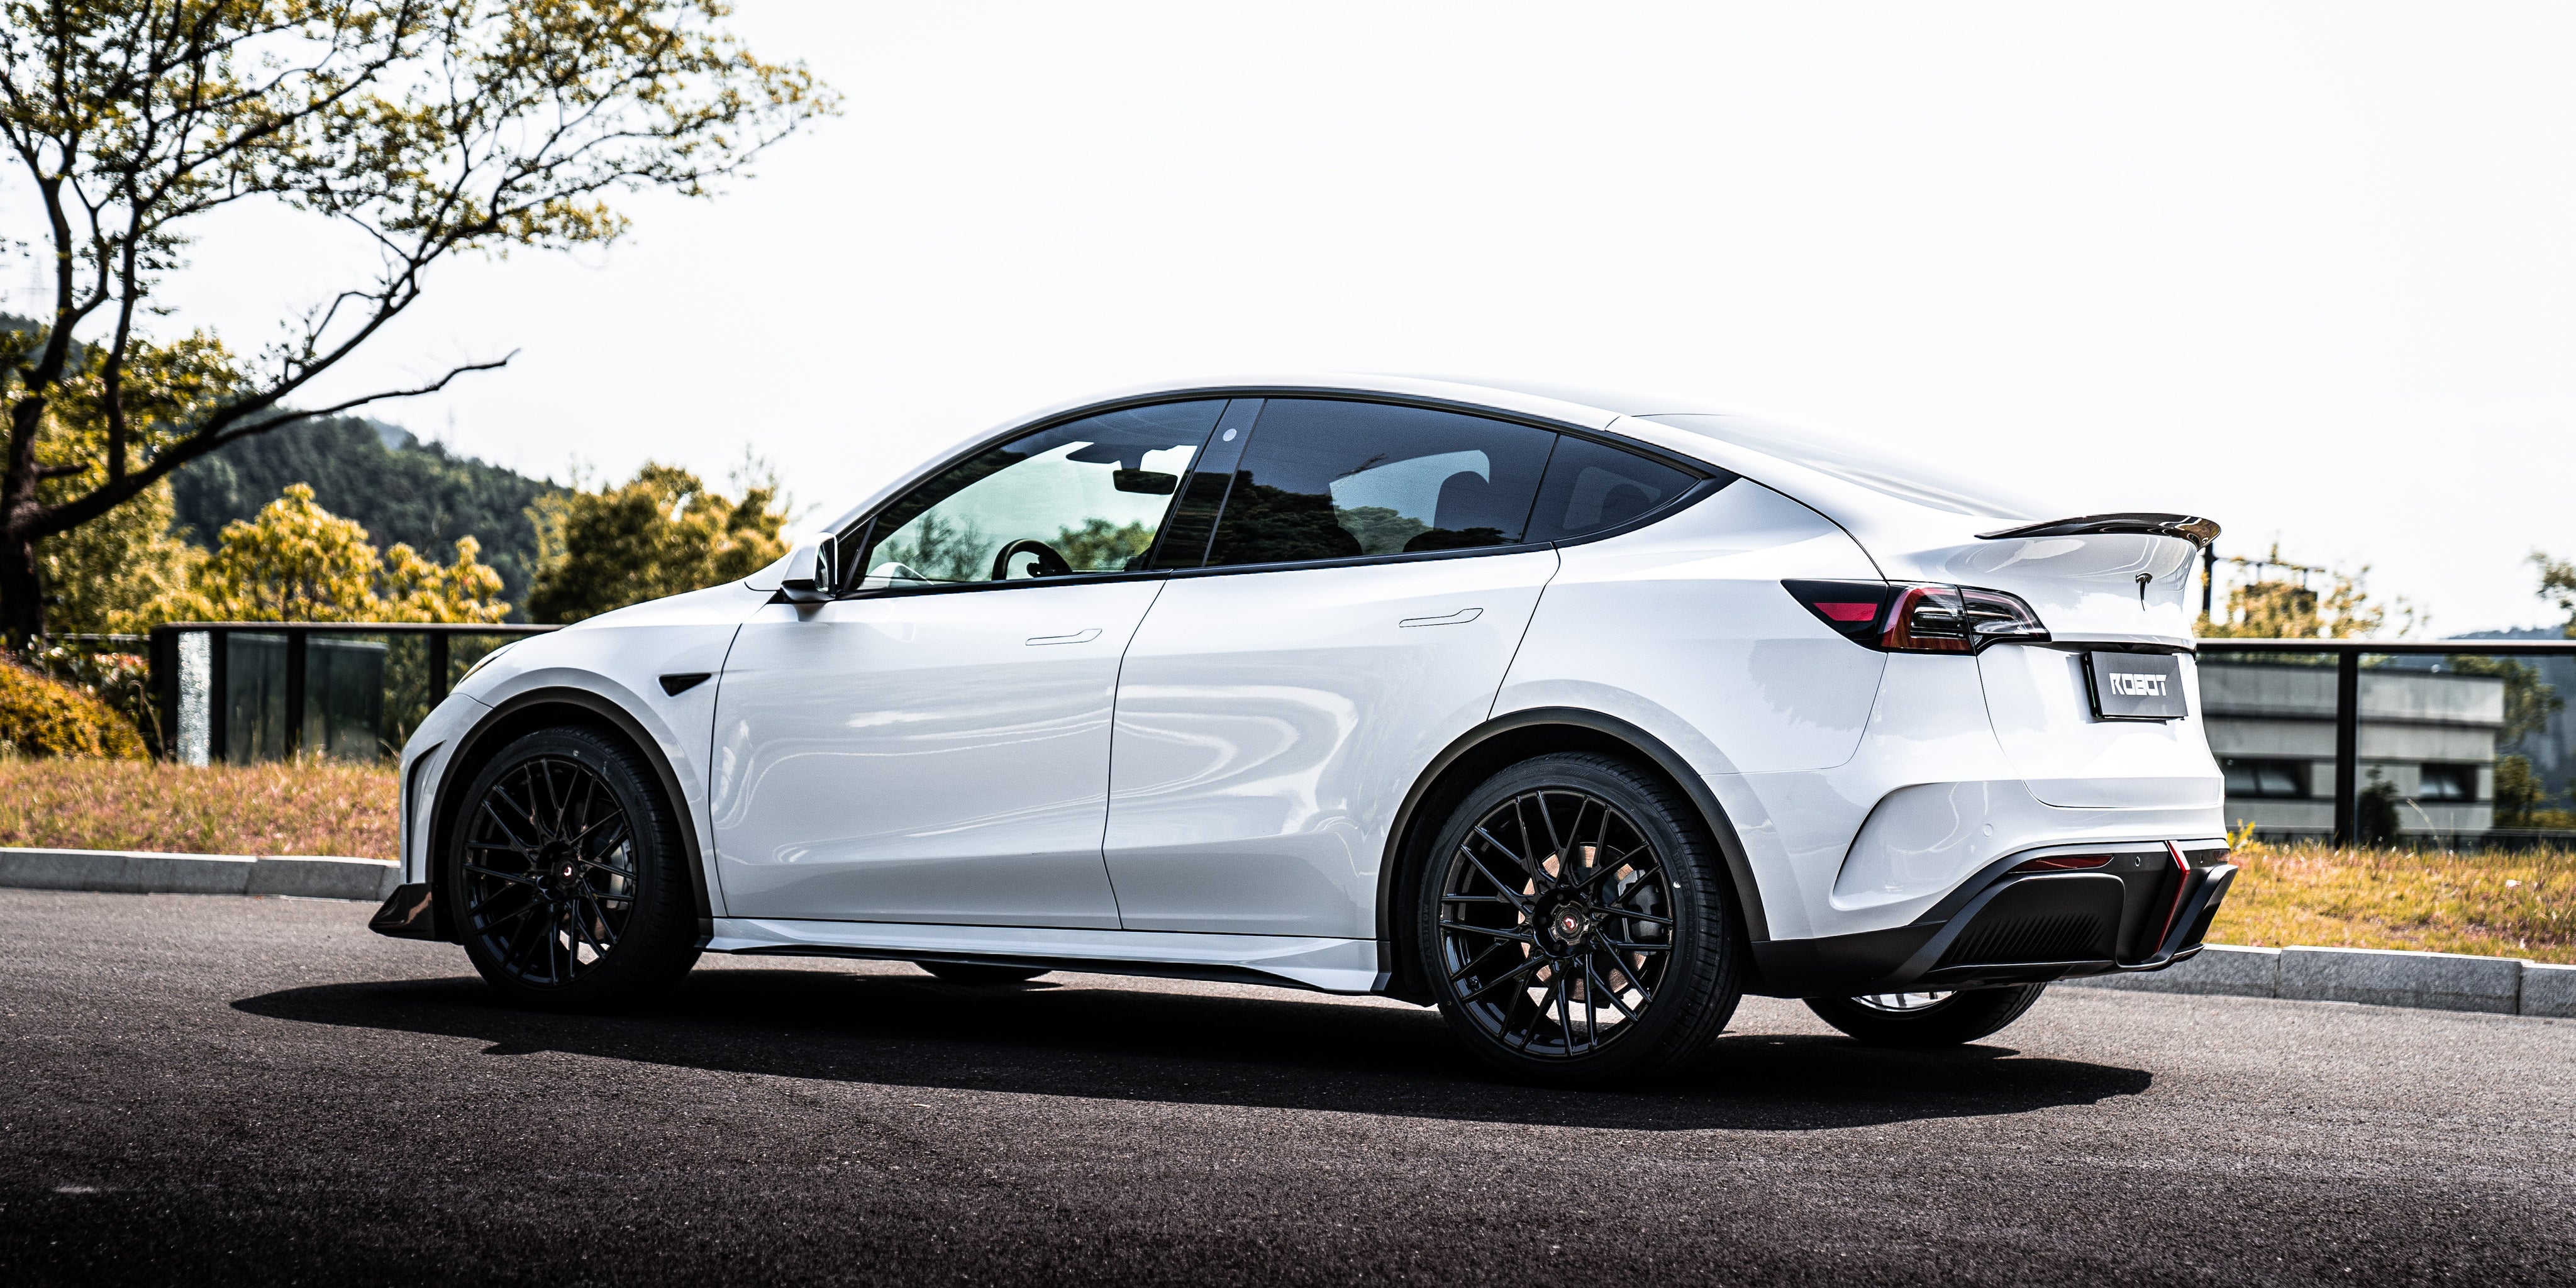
(2376, 976)
(145, 872)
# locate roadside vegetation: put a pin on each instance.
(316, 807)
(2496, 905)
(2487, 904)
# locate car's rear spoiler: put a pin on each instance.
(2192, 528)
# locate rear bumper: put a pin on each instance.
(2146, 908)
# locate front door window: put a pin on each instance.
(1083, 497)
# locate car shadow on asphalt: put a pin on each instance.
(1193, 1048)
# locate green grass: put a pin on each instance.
(311, 808)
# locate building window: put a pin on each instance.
(2448, 783)
(2274, 778)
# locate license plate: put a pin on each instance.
(2135, 686)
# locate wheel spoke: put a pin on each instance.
(1475, 963)
(1510, 895)
(1536, 875)
(514, 878)
(506, 830)
(1515, 936)
(1555, 843)
(1503, 979)
(1598, 985)
(616, 834)
(525, 907)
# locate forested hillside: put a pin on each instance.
(399, 488)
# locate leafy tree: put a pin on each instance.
(2557, 585)
(2276, 609)
(2529, 701)
(1099, 546)
(662, 533)
(2519, 791)
(300, 562)
(400, 488)
(427, 127)
(108, 574)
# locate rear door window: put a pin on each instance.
(1591, 487)
(1322, 479)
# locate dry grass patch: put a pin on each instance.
(2498, 905)
(312, 808)
(2491, 905)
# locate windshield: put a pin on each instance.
(1863, 464)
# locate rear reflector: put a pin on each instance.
(1850, 607)
(2065, 863)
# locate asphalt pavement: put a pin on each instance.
(207, 1089)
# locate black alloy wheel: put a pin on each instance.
(1577, 924)
(567, 874)
(1930, 1019)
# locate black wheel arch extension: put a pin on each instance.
(1507, 739)
(546, 709)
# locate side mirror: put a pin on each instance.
(812, 572)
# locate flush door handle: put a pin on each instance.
(1078, 637)
(1459, 618)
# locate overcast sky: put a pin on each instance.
(2305, 269)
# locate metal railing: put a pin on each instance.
(2347, 655)
(198, 685)
(215, 705)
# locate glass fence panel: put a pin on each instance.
(2456, 751)
(2271, 724)
(2431, 729)
(254, 697)
(344, 697)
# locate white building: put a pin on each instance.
(2429, 733)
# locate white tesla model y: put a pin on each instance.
(1575, 715)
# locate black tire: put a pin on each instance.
(1639, 915)
(568, 881)
(981, 976)
(1950, 1021)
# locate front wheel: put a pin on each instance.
(1927, 1019)
(568, 878)
(1576, 923)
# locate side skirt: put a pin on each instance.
(1324, 965)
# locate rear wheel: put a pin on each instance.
(569, 881)
(1927, 1019)
(1576, 924)
(971, 973)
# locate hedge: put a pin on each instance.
(44, 717)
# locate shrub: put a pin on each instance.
(42, 717)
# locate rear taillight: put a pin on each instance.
(1915, 618)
